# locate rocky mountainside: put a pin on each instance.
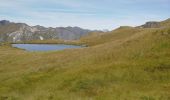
(155, 24)
(18, 32)
(152, 24)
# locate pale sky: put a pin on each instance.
(89, 14)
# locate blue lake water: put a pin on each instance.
(44, 47)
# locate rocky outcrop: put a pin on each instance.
(151, 25)
(4, 22)
(18, 32)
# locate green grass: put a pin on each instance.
(126, 64)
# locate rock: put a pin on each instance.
(151, 25)
(4, 22)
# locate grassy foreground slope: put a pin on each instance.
(123, 67)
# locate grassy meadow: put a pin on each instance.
(125, 64)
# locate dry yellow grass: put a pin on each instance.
(126, 64)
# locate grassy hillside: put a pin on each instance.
(118, 34)
(125, 64)
(165, 23)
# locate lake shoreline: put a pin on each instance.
(45, 47)
(69, 42)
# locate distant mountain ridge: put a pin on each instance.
(19, 32)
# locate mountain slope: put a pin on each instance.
(20, 32)
(124, 31)
(155, 24)
(101, 38)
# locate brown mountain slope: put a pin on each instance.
(122, 32)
